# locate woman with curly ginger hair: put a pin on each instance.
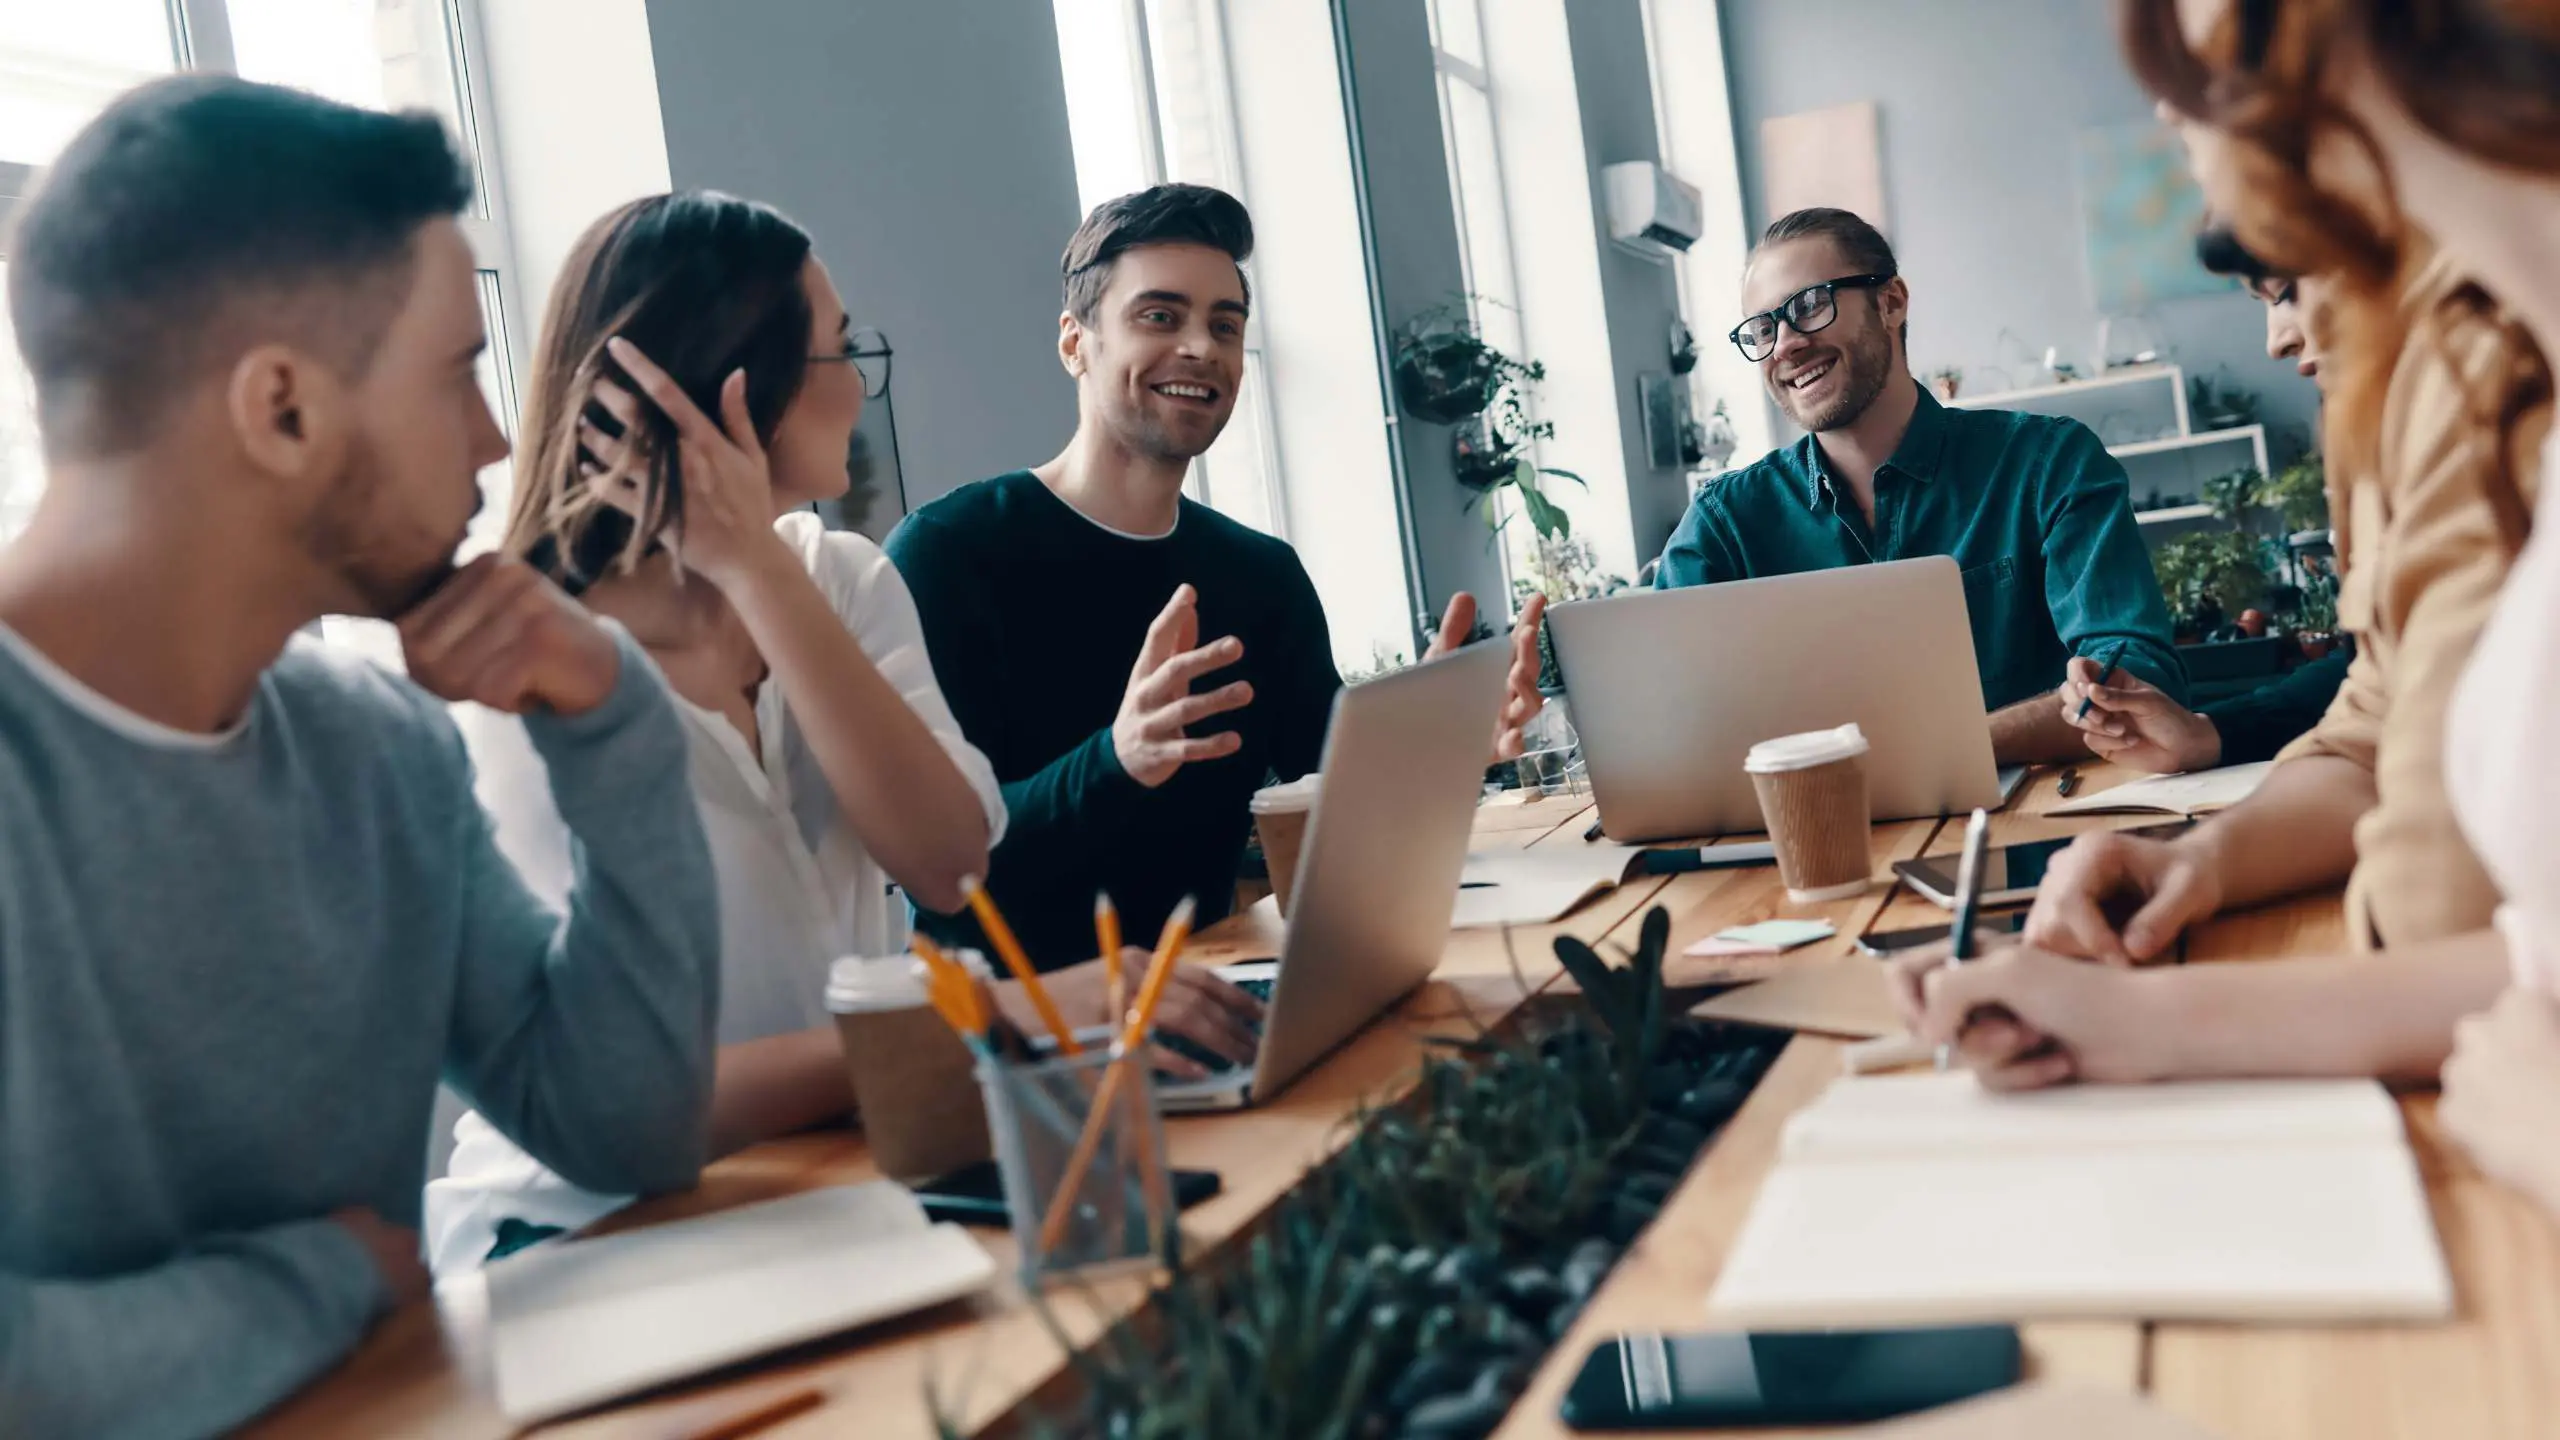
(2336, 121)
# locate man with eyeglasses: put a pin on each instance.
(2030, 506)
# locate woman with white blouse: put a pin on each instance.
(695, 390)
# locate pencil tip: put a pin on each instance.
(1101, 902)
(1183, 910)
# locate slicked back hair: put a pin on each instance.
(1158, 215)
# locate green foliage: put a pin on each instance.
(2299, 494)
(2234, 493)
(1442, 1249)
(2218, 402)
(2208, 576)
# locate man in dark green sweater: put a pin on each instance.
(1135, 664)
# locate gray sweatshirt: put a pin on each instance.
(233, 969)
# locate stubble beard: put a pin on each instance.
(1865, 366)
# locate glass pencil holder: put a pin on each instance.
(1083, 1195)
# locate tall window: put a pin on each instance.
(1476, 190)
(61, 63)
(1149, 100)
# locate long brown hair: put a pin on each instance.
(2317, 198)
(704, 284)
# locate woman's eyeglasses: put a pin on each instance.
(1810, 309)
(859, 346)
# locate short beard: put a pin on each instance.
(1866, 365)
(345, 537)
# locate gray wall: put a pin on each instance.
(1613, 82)
(1416, 227)
(1979, 101)
(924, 143)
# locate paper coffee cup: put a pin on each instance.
(1280, 817)
(1813, 799)
(914, 1081)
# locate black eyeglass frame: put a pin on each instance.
(861, 345)
(1778, 316)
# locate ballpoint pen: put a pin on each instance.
(1977, 839)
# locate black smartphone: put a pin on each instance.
(974, 1194)
(1822, 1377)
(1887, 942)
(2011, 873)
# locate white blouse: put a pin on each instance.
(2502, 770)
(797, 889)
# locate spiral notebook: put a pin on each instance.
(1924, 1199)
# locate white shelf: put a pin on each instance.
(2013, 399)
(2253, 435)
(2173, 515)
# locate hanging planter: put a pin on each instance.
(1444, 373)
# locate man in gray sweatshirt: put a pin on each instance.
(249, 913)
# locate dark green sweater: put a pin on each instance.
(1034, 616)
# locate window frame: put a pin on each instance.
(1138, 26)
(1452, 69)
(200, 41)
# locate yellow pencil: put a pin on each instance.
(1106, 934)
(1000, 935)
(1127, 1049)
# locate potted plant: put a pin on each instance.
(1444, 371)
(2299, 494)
(2218, 402)
(2209, 577)
(2235, 493)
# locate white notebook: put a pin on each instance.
(1924, 1199)
(2202, 793)
(578, 1324)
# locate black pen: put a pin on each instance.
(1977, 840)
(2103, 672)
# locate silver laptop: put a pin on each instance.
(1671, 688)
(1378, 875)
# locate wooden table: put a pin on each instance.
(2493, 1372)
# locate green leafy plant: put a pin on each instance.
(1411, 1284)
(2299, 494)
(2235, 493)
(2208, 577)
(1448, 375)
(2218, 402)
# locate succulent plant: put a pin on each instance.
(1410, 1285)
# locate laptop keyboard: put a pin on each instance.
(1216, 1065)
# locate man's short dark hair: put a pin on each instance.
(203, 207)
(1157, 215)
(1862, 245)
(2219, 250)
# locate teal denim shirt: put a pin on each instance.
(2032, 508)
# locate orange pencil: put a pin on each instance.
(1009, 949)
(1106, 935)
(1126, 1049)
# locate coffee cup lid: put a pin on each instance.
(1803, 752)
(1295, 794)
(863, 985)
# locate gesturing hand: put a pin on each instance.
(499, 633)
(725, 533)
(2133, 724)
(1150, 734)
(2176, 885)
(1521, 699)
